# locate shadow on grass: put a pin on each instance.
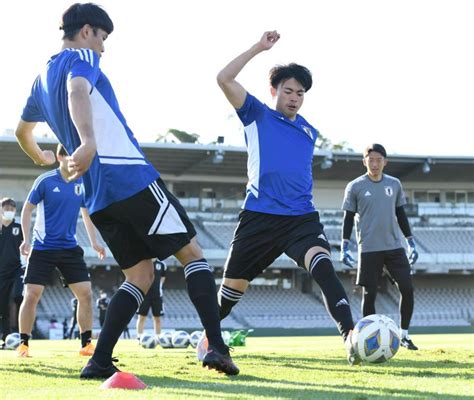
(298, 390)
(397, 367)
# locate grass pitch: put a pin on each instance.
(271, 368)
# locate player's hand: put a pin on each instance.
(47, 157)
(346, 255)
(412, 252)
(101, 253)
(25, 248)
(268, 39)
(79, 161)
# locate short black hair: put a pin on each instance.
(61, 151)
(378, 148)
(78, 15)
(281, 73)
(7, 201)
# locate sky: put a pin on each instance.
(400, 73)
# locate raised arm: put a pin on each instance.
(81, 113)
(232, 89)
(26, 139)
(26, 213)
(91, 233)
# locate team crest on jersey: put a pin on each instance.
(389, 191)
(15, 231)
(78, 189)
(307, 130)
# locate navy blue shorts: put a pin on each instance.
(150, 224)
(261, 238)
(371, 266)
(43, 263)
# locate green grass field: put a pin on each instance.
(271, 368)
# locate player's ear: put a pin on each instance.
(364, 162)
(273, 91)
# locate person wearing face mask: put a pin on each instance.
(10, 267)
(102, 303)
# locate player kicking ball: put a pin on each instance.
(278, 214)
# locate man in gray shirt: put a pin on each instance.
(376, 201)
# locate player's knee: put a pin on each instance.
(321, 267)
(32, 297)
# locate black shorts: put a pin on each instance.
(70, 263)
(151, 223)
(155, 302)
(371, 267)
(261, 238)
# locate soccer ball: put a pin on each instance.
(225, 337)
(12, 341)
(375, 338)
(165, 340)
(180, 339)
(148, 341)
(194, 338)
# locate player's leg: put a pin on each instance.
(157, 325)
(83, 293)
(368, 271)
(399, 268)
(5, 290)
(27, 315)
(254, 247)
(120, 311)
(40, 267)
(142, 313)
(369, 293)
(157, 312)
(74, 272)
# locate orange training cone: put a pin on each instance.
(123, 380)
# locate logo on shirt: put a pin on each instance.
(307, 130)
(389, 191)
(56, 190)
(367, 194)
(15, 231)
(77, 189)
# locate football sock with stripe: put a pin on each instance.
(227, 298)
(120, 311)
(334, 295)
(202, 292)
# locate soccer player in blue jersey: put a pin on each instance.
(58, 202)
(137, 216)
(278, 214)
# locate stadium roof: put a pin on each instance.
(187, 160)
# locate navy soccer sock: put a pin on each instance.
(227, 298)
(335, 298)
(120, 311)
(202, 292)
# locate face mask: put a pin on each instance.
(103, 296)
(8, 215)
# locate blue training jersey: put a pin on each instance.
(119, 169)
(58, 203)
(280, 155)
